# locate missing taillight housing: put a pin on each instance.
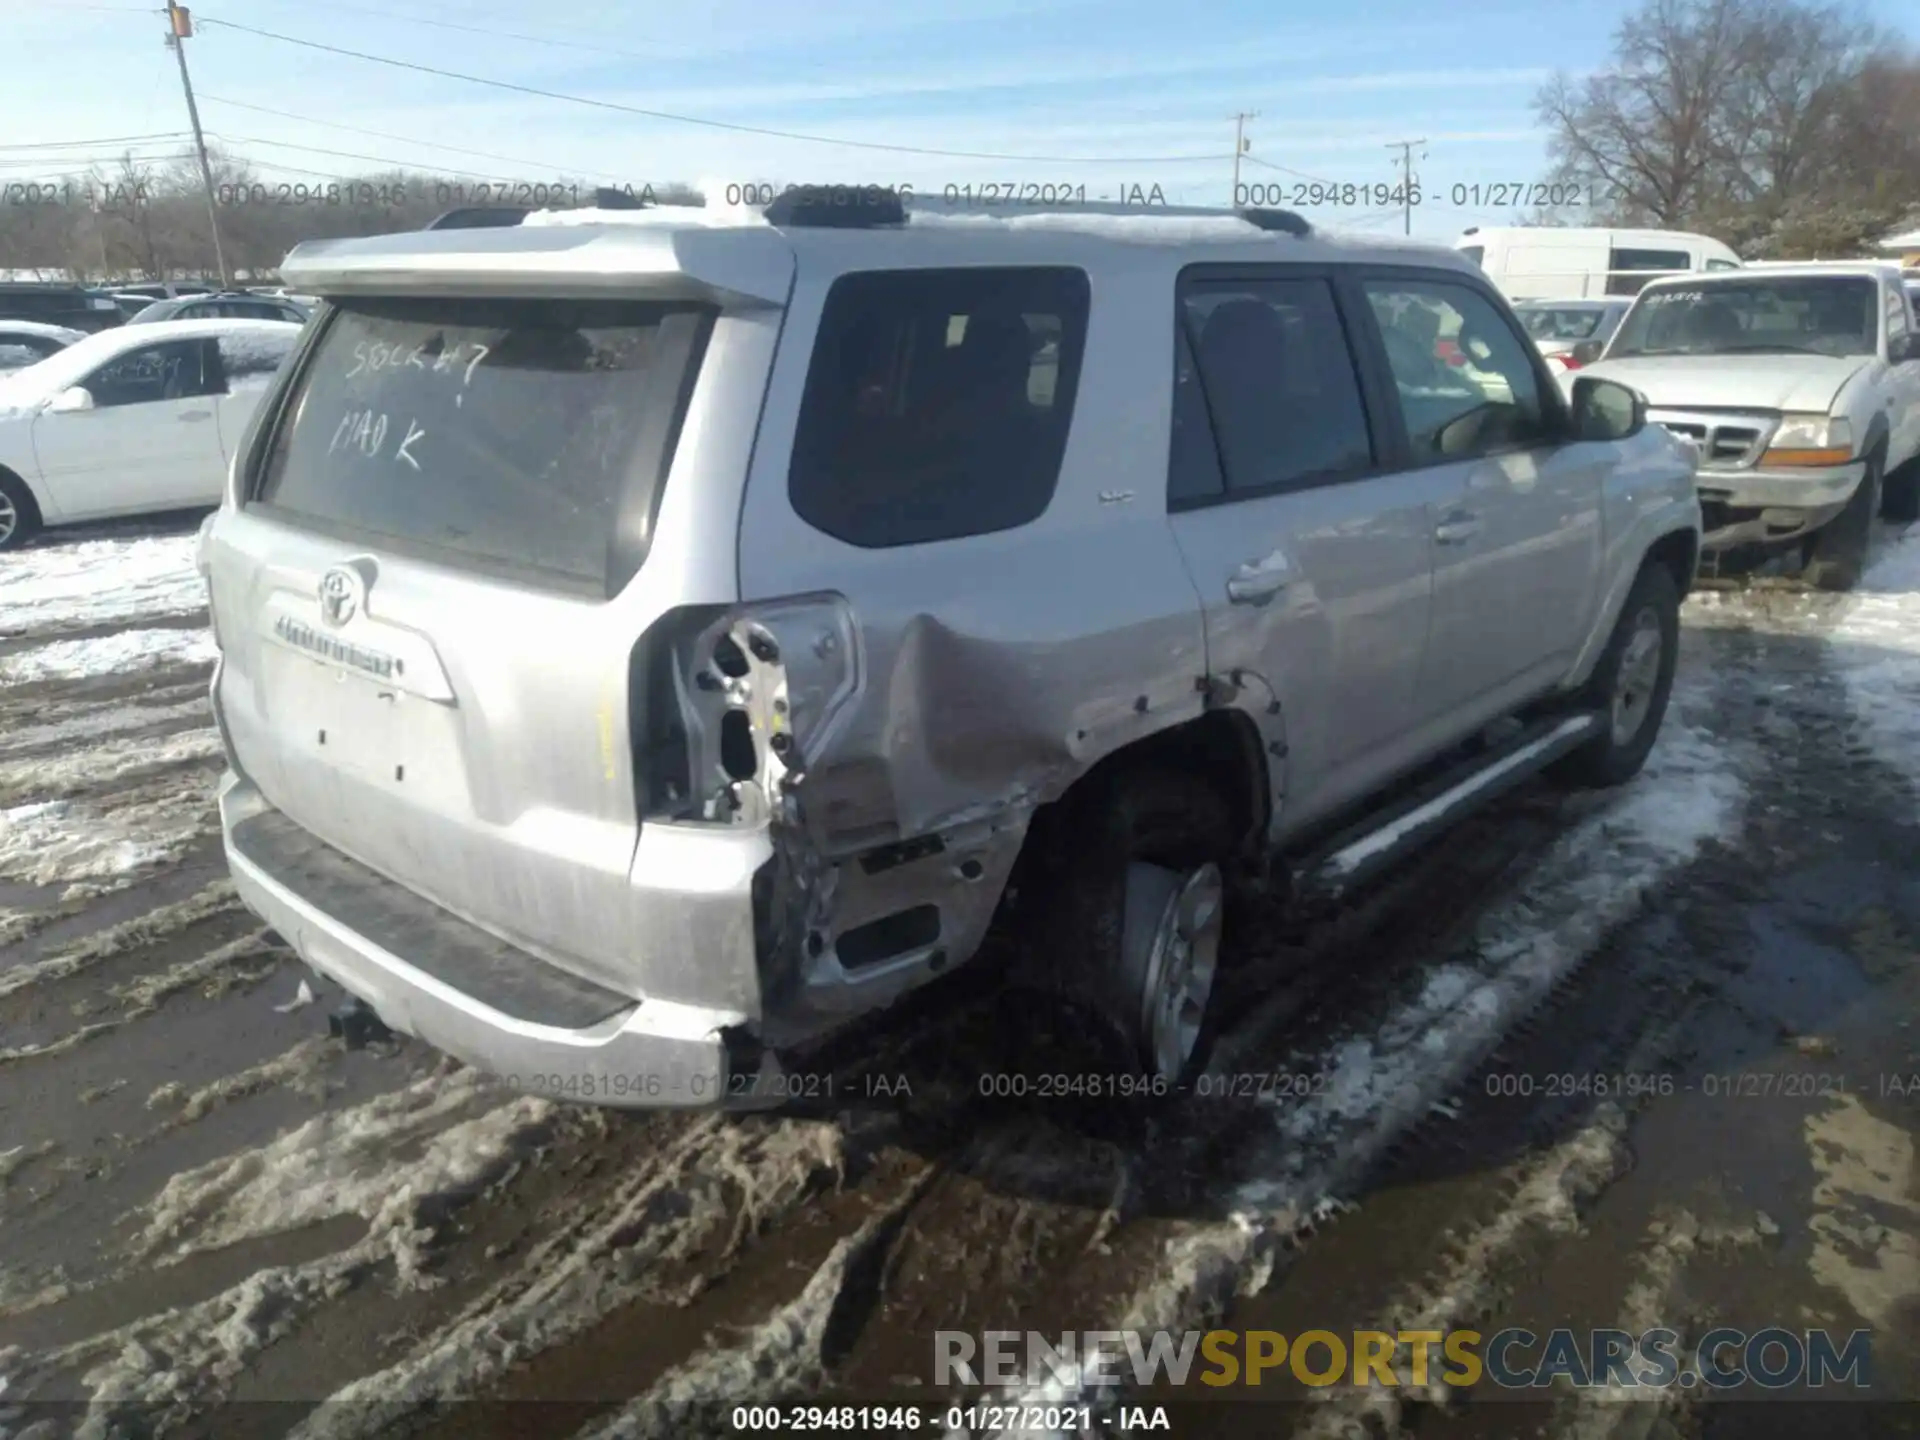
(730, 706)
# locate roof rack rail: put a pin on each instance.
(1285, 221)
(835, 207)
(478, 217)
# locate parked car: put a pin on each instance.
(644, 646)
(1801, 390)
(1543, 261)
(165, 289)
(73, 306)
(27, 342)
(1558, 326)
(224, 305)
(136, 419)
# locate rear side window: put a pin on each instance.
(1279, 383)
(1629, 269)
(512, 432)
(938, 403)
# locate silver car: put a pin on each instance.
(1560, 327)
(649, 644)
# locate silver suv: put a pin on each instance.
(648, 645)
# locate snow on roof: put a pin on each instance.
(42, 330)
(1905, 240)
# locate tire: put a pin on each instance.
(1837, 552)
(19, 515)
(1631, 685)
(1148, 847)
(1900, 494)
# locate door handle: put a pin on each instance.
(188, 415)
(1252, 585)
(1457, 528)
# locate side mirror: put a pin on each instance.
(1586, 352)
(1606, 409)
(1906, 348)
(71, 400)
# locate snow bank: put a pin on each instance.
(1877, 644)
(125, 652)
(98, 582)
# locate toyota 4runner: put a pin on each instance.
(649, 641)
(1800, 388)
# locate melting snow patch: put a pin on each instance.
(125, 652)
(92, 767)
(98, 721)
(65, 841)
(99, 582)
(1877, 643)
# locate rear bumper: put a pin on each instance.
(1771, 505)
(464, 991)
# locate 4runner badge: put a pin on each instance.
(339, 595)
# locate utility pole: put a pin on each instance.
(1240, 147)
(180, 27)
(1405, 147)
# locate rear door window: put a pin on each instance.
(515, 433)
(938, 402)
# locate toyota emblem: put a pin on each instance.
(339, 595)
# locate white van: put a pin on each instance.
(1551, 262)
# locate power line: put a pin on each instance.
(102, 140)
(352, 155)
(711, 124)
(1285, 170)
(383, 134)
(654, 58)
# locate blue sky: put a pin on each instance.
(1138, 92)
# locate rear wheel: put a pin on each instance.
(19, 516)
(1136, 922)
(1837, 553)
(1631, 684)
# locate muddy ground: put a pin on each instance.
(1644, 1059)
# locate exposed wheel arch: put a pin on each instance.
(30, 520)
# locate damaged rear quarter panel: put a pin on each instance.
(995, 669)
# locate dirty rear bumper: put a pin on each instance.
(431, 975)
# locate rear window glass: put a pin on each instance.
(938, 402)
(507, 431)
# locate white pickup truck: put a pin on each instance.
(1799, 387)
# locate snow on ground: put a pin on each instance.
(99, 582)
(1878, 645)
(54, 842)
(120, 653)
(1392, 1066)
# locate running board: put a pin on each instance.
(1362, 851)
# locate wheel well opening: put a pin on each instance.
(1222, 750)
(1680, 553)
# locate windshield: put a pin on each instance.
(495, 430)
(1834, 315)
(1570, 322)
